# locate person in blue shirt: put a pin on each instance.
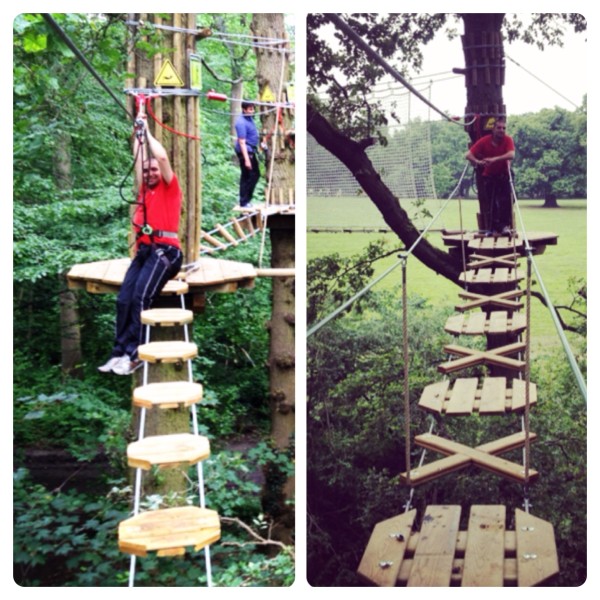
(246, 148)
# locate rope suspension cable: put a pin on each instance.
(58, 30)
(561, 334)
(362, 292)
(542, 82)
(404, 259)
(349, 32)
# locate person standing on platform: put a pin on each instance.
(492, 154)
(158, 255)
(246, 148)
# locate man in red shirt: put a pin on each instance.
(158, 251)
(492, 154)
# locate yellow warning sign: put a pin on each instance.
(168, 75)
(267, 95)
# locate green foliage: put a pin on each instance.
(333, 279)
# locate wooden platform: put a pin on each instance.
(498, 322)
(466, 396)
(486, 554)
(169, 531)
(209, 274)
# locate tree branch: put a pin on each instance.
(258, 540)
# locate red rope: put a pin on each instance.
(149, 109)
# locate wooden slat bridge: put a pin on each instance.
(486, 554)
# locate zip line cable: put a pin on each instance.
(346, 29)
(57, 29)
(362, 292)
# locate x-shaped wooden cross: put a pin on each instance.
(459, 456)
(472, 357)
(502, 300)
(478, 261)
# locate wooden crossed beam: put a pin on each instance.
(459, 456)
(479, 261)
(502, 300)
(472, 357)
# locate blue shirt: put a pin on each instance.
(245, 129)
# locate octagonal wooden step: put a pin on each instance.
(167, 394)
(169, 531)
(168, 451)
(175, 287)
(167, 352)
(486, 554)
(166, 317)
(498, 322)
(464, 396)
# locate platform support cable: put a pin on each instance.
(561, 334)
(403, 258)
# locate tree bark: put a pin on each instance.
(272, 75)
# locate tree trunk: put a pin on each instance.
(550, 201)
(272, 75)
(70, 336)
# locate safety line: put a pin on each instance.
(56, 27)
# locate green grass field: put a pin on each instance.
(556, 266)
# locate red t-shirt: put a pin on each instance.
(483, 148)
(162, 211)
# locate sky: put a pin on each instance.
(541, 79)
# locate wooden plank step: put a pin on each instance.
(166, 317)
(168, 450)
(495, 245)
(480, 323)
(432, 562)
(169, 531)
(167, 394)
(226, 234)
(167, 352)
(383, 556)
(212, 240)
(537, 558)
(491, 276)
(486, 554)
(491, 396)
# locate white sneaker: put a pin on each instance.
(109, 364)
(126, 366)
